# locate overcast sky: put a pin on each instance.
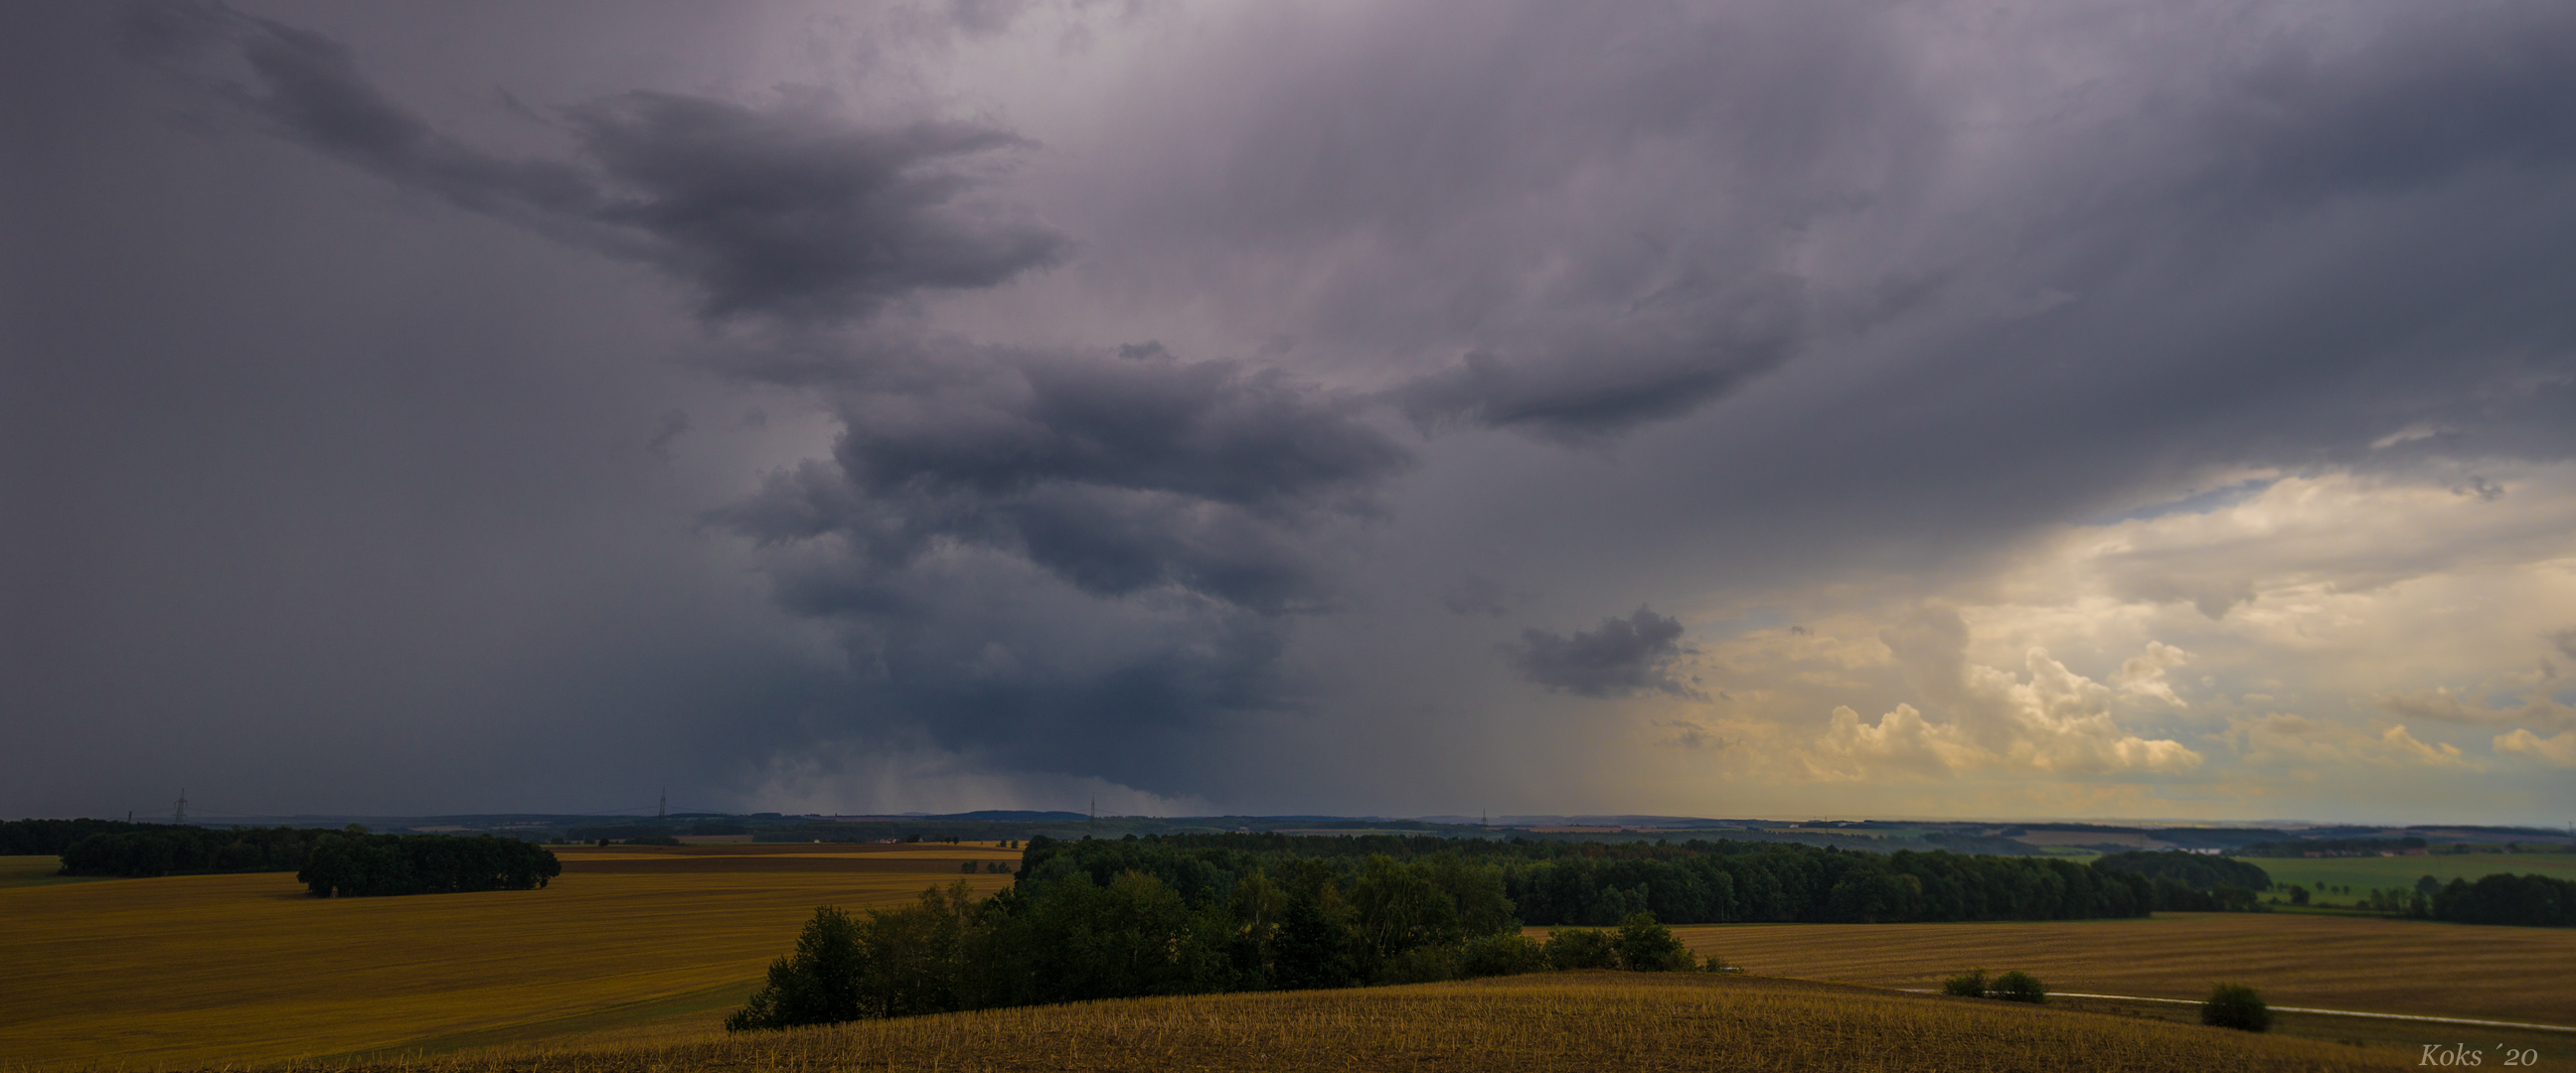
(1974, 409)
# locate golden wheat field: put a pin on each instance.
(2345, 963)
(1552, 1022)
(214, 970)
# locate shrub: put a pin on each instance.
(1646, 946)
(2019, 986)
(1582, 948)
(1420, 965)
(1505, 954)
(2236, 1006)
(1971, 984)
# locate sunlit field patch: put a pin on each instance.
(2350, 963)
(210, 970)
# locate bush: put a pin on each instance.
(2236, 1006)
(1420, 965)
(1505, 954)
(1646, 946)
(2019, 986)
(1970, 984)
(1582, 948)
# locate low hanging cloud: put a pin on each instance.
(1621, 657)
(2285, 738)
(2053, 721)
(2558, 751)
(786, 211)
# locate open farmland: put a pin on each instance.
(208, 970)
(35, 872)
(2345, 963)
(1576, 1021)
(2364, 873)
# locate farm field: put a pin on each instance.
(2344, 963)
(34, 872)
(211, 970)
(2363, 873)
(1550, 1022)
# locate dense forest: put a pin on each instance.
(354, 863)
(2528, 900)
(167, 849)
(1695, 882)
(2199, 871)
(49, 838)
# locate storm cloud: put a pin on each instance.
(886, 405)
(785, 210)
(1621, 656)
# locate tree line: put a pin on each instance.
(353, 863)
(1700, 882)
(169, 849)
(1191, 914)
(2300, 847)
(2528, 900)
(49, 838)
(1067, 939)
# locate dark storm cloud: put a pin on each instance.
(1060, 561)
(1671, 353)
(1114, 474)
(785, 211)
(1621, 657)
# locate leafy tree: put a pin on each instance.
(2236, 1006)
(816, 985)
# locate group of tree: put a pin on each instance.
(49, 838)
(352, 863)
(170, 849)
(1596, 884)
(1068, 939)
(2528, 900)
(2012, 986)
(2193, 882)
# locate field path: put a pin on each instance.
(2346, 963)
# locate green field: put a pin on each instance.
(2364, 873)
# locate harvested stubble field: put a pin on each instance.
(2343, 963)
(1575, 1021)
(212, 970)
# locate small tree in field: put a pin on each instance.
(2236, 1006)
(1969, 984)
(2019, 986)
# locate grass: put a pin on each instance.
(1550, 1022)
(211, 970)
(2343, 963)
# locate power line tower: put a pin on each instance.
(1095, 813)
(179, 811)
(662, 809)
